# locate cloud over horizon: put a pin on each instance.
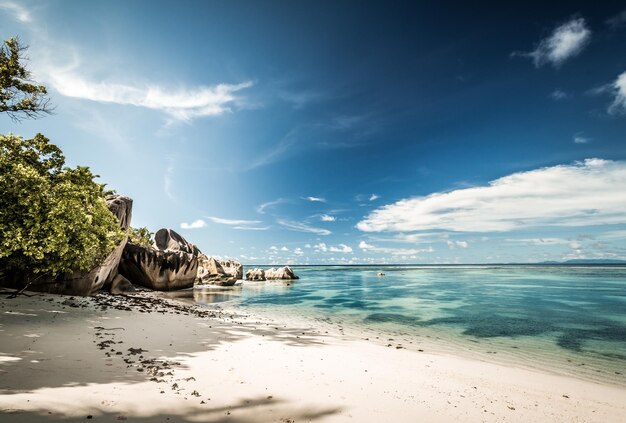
(394, 251)
(581, 194)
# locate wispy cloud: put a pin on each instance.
(566, 41)
(300, 99)
(618, 20)
(394, 251)
(558, 95)
(261, 208)
(196, 224)
(374, 197)
(168, 179)
(315, 199)
(251, 228)
(538, 241)
(619, 92)
(20, 13)
(302, 227)
(327, 218)
(582, 194)
(179, 104)
(232, 222)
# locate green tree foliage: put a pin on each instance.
(19, 97)
(53, 219)
(141, 236)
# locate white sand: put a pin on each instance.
(51, 368)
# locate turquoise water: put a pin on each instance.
(572, 319)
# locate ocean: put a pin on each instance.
(562, 318)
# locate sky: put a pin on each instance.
(345, 132)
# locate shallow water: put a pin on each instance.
(568, 318)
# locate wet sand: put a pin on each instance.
(150, 359)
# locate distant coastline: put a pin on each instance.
(576, 262)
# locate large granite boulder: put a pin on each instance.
(255, 275)
(161, 270)
(169, 240)
(233, 268)
(211, 272)
(85, 282)
(280, 273)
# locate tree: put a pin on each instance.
(19, 96)
(53, 219)
(141, 236)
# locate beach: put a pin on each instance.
(147, 358)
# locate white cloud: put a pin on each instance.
(180, 104)
(196, 224)
(298, 251)
(274, 248)
(301, 227)
(580, 139)
(374, 197)
(457, 244)
(327, 218)
(315, 199)
(582, 194)
(284, 249)
(19, 12)
(393, 251)
(341, 248)
(619, 91)
(232, 222)
(321, 247)
(566, 41)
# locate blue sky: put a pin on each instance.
(345, 132)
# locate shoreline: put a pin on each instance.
(440, 341)
(148, 359)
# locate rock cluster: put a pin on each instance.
(212, 272)
(171, 263)
(233, 268)
(257, 274)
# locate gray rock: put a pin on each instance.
(232, 268)
(161, 270)
(121, 286)
(280, 273)
(211, 272)
(255, 275)
(169, 240)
